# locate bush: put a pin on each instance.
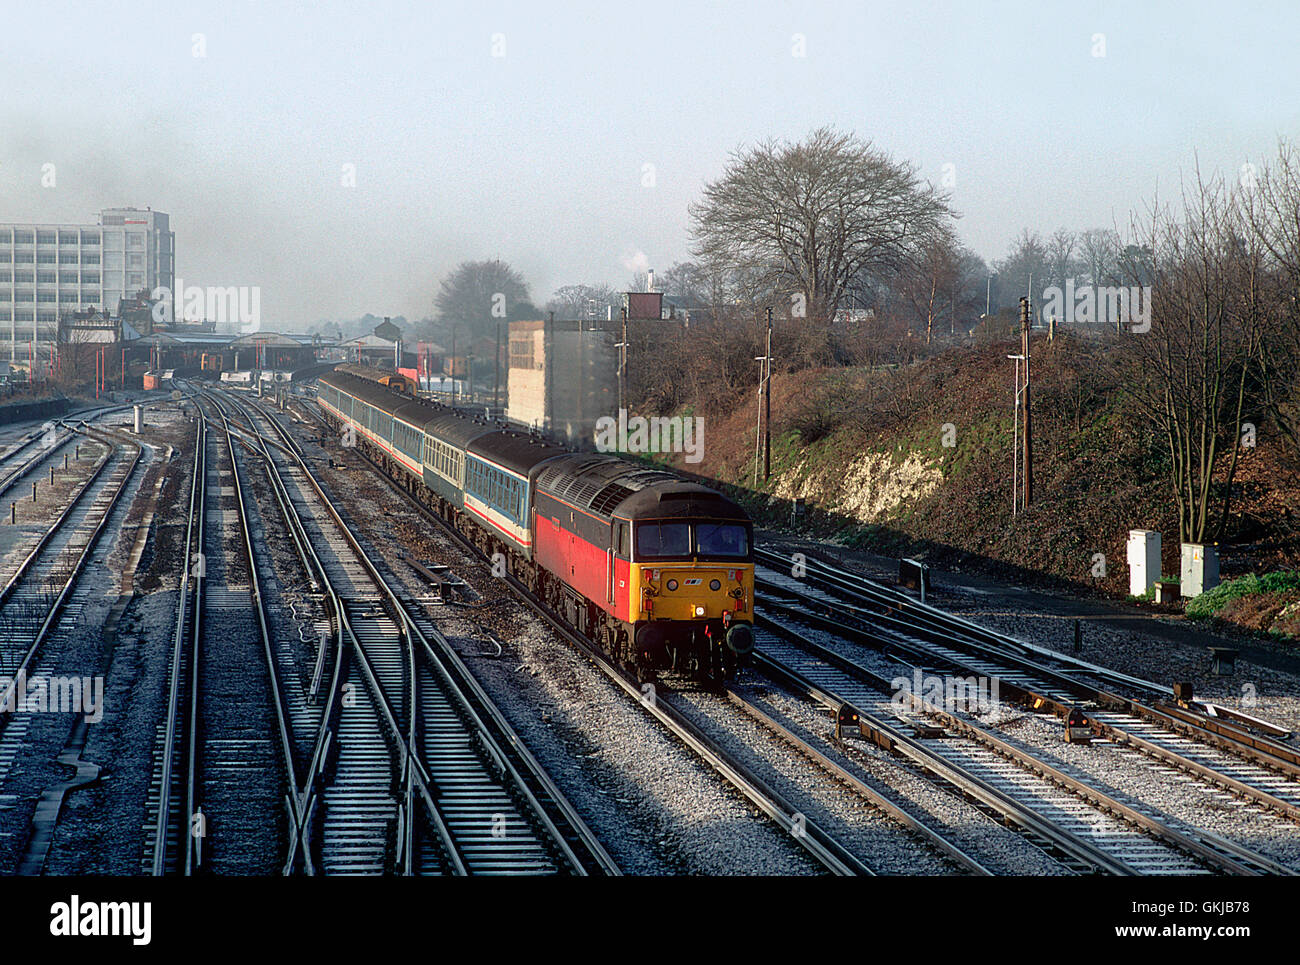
(1212, 601)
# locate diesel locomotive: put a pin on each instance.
(656, 570)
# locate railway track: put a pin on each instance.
(415, 772)
(1091, 831)
(817, 841)
(37, 595)
(1216, 745)
(224, 756)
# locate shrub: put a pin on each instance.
(1212, 601)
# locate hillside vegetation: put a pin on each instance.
(864, 446)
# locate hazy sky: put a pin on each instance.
(538, 156)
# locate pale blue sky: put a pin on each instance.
(537, 156)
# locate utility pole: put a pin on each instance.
(763, 430)
(1026, 316)
(767, 417)
(622, 365)
(496, 385)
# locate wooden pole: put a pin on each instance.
(767, 405)
(1026, 316)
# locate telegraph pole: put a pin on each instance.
(763, 428)
(496, 384)
(767, 417)
(1026, 316)
(622, 364)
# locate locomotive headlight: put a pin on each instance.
(672, 584)
(699, 611)
(715, 585)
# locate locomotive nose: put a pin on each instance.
(740, 638)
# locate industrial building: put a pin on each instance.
(49, 271)
(561, 378)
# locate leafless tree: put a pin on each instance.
(1271, 202)
(583, 301)
(1195, 366)
(808, 217)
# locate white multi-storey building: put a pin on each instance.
(51, 270)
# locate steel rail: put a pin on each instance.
(1207, 848)
(459, 684)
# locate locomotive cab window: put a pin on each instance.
(663, 539)
(722, 540)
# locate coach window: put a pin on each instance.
(622, 541)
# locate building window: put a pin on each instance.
(90, 298)
(46, 277)
(90, 278)
(68, 297)
(67, 278)
(46, 237)
(46, 297)
(135, 278)
(22, 314)
(23, 237)
(67, 257)
(23, 296)
(22, 257)
(47, 316)
(45, 258)
(6, 275)
(23, 276)
(5, 257)
(6, 295)
(67, 237)
(90, 237)
(134, 240)
(135, 261)
(90, 260)
(6, 236)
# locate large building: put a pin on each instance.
(50, 270)
(562, 378)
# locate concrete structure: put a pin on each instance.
(1143, 560)
(51, 270)
(561, 377)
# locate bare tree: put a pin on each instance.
(1099, 251)
(1024, 267)
(479, 294)
(807, 218)
(1194, 367)
(1271, 204)
(583, 301)
(924, 286)
(1061, 262)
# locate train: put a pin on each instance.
(656, 570)
(385, 377)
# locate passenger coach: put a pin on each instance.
(658, 571)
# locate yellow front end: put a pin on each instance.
(693, 591)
